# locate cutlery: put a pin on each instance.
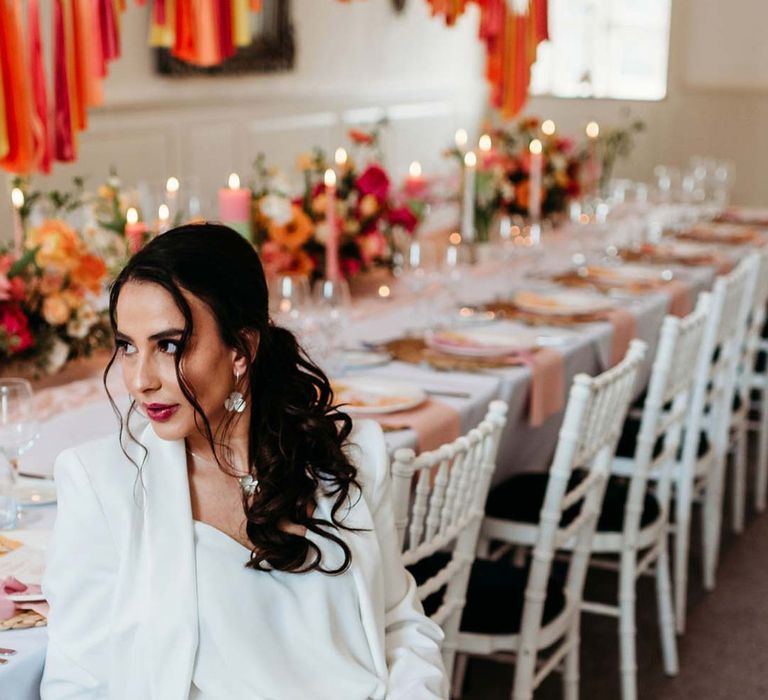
(3, 661)
(7, 652)
(30, 475)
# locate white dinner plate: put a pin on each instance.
(563, 302)
(629, 274)
(26, 597)
(35, 492)
(363, 395)
(361, 359)
(488, 341)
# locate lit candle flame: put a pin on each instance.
(340, 157)
(454, 238)
(330, 178)
(548, 127)
(234, 181)
(132, 216)
(461, 138)
(17, 198)
(593, 130)
(485, 143)
(414, 170)
(172, 185)
(164, 213)
(470, 159)
(384, 291)
(535, 147)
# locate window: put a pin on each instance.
(604, 48)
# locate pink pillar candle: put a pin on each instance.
(332, 266)
(235, 206)
(135, 231)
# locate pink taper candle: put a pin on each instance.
(17, 199)
(332, 271)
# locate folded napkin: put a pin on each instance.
(547, 395)
(8, 608)
(434, 422)
(8, 545)
(680, 297)
(624, 330)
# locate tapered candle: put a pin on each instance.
(134, 230)
(415, 183)
(593, 166)
(163, 218)
(468, 204)
(534, 181)
(171, 196)
(332, 268)
(460, 138)
(17, 199)
(235, 206)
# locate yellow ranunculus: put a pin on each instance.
(56, 311)
(58, 244)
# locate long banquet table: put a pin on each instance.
(585, 348)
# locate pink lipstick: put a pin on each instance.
(160, 412)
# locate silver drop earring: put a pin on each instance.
(235, 402)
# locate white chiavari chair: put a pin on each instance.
(700, 470)
(747, 378)
(439, 497)
(518, 614)
(634, 523)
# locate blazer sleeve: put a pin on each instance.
(412, 640)
(78, 583)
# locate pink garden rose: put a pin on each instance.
(372, 245)
(375, 181)
(14, 323)
(403, 216)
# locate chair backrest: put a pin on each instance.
(755, 323)
(439, 500)
(717, 362)
(664, 412)
(591, 427)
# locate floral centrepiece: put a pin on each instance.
(49, 299)
(292, 232)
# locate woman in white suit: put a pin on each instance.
(242, 546)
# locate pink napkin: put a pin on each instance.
(435, 423)
(8, 608)
(547, 395)
(624, 329)
(680, 301)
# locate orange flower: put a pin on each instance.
(305, 162)
(50, 283)
(295, 233)
(56, 310)
(521, 194)
(361, 137)
(89, 273)
(369, 205)
(58, 244)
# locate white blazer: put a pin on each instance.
(121, 583)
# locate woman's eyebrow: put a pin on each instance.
(160, 335)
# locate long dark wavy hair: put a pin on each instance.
(296, 434)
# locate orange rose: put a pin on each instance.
(89, 273)
(369, 205)
(50, 283)
(295, 233)
(56, 311)
(58, 244)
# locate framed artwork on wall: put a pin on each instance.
(272, 48)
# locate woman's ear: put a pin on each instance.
(241, 362)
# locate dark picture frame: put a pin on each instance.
(271, 51)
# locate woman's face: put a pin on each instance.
(149, 327)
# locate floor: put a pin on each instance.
(723, 655)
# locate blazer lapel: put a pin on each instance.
(169, 548)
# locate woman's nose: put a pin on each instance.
(145, 378)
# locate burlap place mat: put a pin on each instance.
(572, 279)
(416, 351)
(704, 235)
(24, 620)
(508, 309)
(651, 255)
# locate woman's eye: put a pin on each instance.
(169, 346)
(125, 348)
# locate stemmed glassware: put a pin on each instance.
(332, 300)
(19, 429)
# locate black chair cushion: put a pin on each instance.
(628, 441)
(495, 595)
(521, 497)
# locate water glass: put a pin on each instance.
(19, 427)
(9, 505)
(332, 300)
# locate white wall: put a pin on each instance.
(359, 60)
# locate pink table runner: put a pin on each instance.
(435, 423)
(624, 330)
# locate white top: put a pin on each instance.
(277, 635)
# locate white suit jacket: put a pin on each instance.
(121, 583)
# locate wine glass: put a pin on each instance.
(19, 427)
(289, 299)
(332, 301)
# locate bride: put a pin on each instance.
(236, 539)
